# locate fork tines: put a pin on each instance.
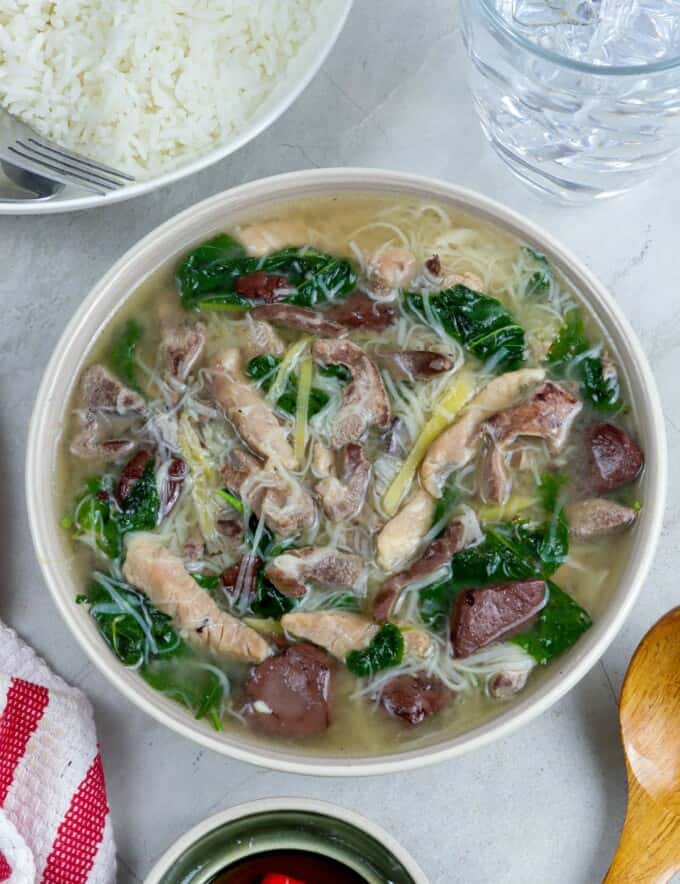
(44, 158)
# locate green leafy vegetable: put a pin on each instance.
(541, 279)
(446, 503)
(385, 650)
(480, 323)
(139, 511)
(93, 514)
(560, 624)
(263, 369)
(97, 513)
(231, 499)
(207, 276)
(571, 353)
(553, 546)
(188, 680)
(123, 348)
(207, 581)
(510, 551)
(268, 602)
(341, 372)
(133, 628)
(143, 638)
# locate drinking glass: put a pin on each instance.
(580, 102)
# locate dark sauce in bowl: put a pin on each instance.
(300, 866)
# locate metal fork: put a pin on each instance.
(24, 147)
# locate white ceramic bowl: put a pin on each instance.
(199, 223)
(332, 17)
(168, 861)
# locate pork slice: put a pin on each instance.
(365, 401)
(260, 339)
(340, 632)
(285, 505)
(151, 567)
(360, 311)
(598, 517)
(262, 286)
(411, 365)
(290, 695)
(436, 556)
(486, 615)
(300, 318)
(292, 570)
(402, 536)
(547, 414)
(182, 345)
(413, 698)
(614, 459)
(343, 497)
(101, 391)
(459, 443)
(248, 411)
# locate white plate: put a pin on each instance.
(197, 224)
(332, 17)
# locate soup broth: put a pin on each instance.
(350, 475)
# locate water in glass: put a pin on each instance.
(580, 97)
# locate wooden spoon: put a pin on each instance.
(649, 849)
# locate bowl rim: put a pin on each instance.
(182, 230)
(267, 805)
(250, 131)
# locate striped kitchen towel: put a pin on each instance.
(55, 826)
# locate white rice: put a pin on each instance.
(145, 85)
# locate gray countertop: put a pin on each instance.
(545, 804)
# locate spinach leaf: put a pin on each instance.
(386, 649)
(263, 369)
(123, 348)
(541, 279)
(553, 547)
(510, 551)
(188, 680)
(143, 638)
(139, 511)
(207, 276)
(233, 501)
(341, 372)
(505, 554)
(446, 503)
(268, 602)
(572, 353)
(97, 512)
(207, 581)
(202, 269)
(93, 514)
(480, 323)
(317, 276)
(560, 624)
(132, 627)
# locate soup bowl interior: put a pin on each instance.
(166, 244)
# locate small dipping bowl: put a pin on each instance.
(279, 826)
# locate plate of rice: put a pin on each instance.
(159, 89)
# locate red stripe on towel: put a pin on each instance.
(80, 832)
(23, 710)
(5, 868)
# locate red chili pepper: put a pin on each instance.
(275, 878)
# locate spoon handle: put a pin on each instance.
(649, 849)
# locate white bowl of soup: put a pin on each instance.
(346, 471)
